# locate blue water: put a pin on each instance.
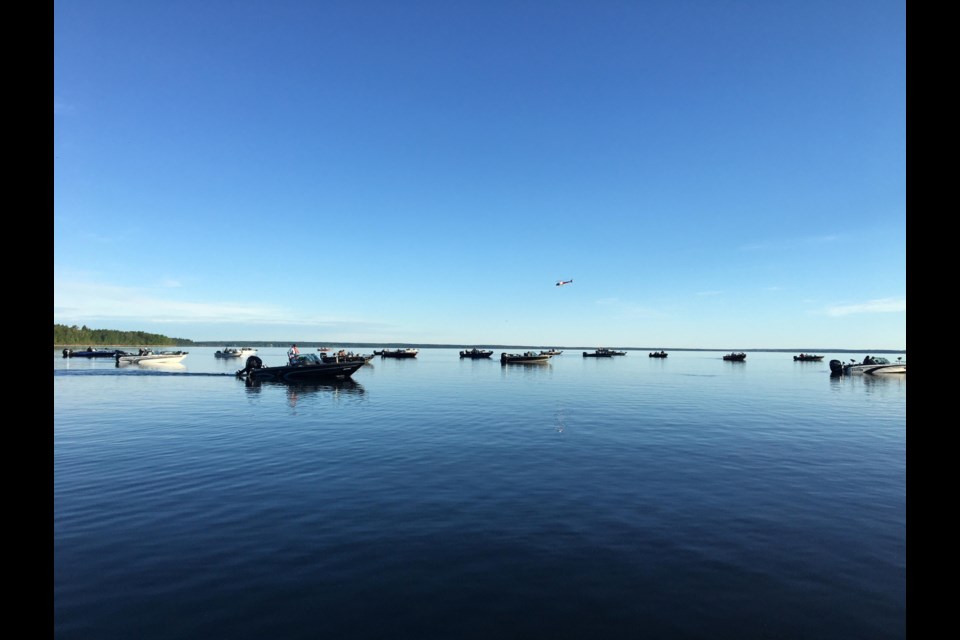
(628, 497)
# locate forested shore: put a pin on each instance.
(64, 336)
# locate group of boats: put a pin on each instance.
(343, 364)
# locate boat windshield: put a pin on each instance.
(308, 358)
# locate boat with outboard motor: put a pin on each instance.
(476, 353)
(90, 352)
(527, 357)
(149, 356)
(735, 357)
(399, 353)
(657, 354)
(807, 357)
(304, 367)
(236, 352)
(552, 352)
(870, 366)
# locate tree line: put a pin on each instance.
(72, 336)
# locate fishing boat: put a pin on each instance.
(90, 352)
(807, 357)
(599, 353)
(399, 353)
(235, 352)
(476, 353)
(528, 357)
(552, 352)
(304, 367)
(735, 357)
(149, 356)
(870, 366)
(612, 352)
(657, 354)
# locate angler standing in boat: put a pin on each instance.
(292, 353)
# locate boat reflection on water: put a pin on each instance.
(161, 366)
(296, 389)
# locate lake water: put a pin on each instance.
(628, 497)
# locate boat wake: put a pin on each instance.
(152, 371)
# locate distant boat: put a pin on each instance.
(89, 352)
(476, 353)
(735, 357)
(807, 357)
(235, 352)
(551, 352)
(604, 353)
(399, 353)
(657, 354)
(599, 353)
(528, 357)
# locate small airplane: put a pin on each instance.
(560, 283)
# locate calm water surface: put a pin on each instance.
(628, 497)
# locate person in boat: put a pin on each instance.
(292, 354)
(868, 360)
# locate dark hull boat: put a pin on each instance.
(658, 354)
(735, 357)
(530, 357)
(604, 353)
(399, 353)
(306, 368)
(476, 353)
(806, 357)
(90, 353)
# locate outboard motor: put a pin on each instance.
(66, 353)
(253, 362)
(836, 367)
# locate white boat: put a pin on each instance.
(149, 356)
(235, 352)
(871, 366)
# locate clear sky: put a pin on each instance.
(710, 173)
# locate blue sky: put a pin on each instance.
(710, 173)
